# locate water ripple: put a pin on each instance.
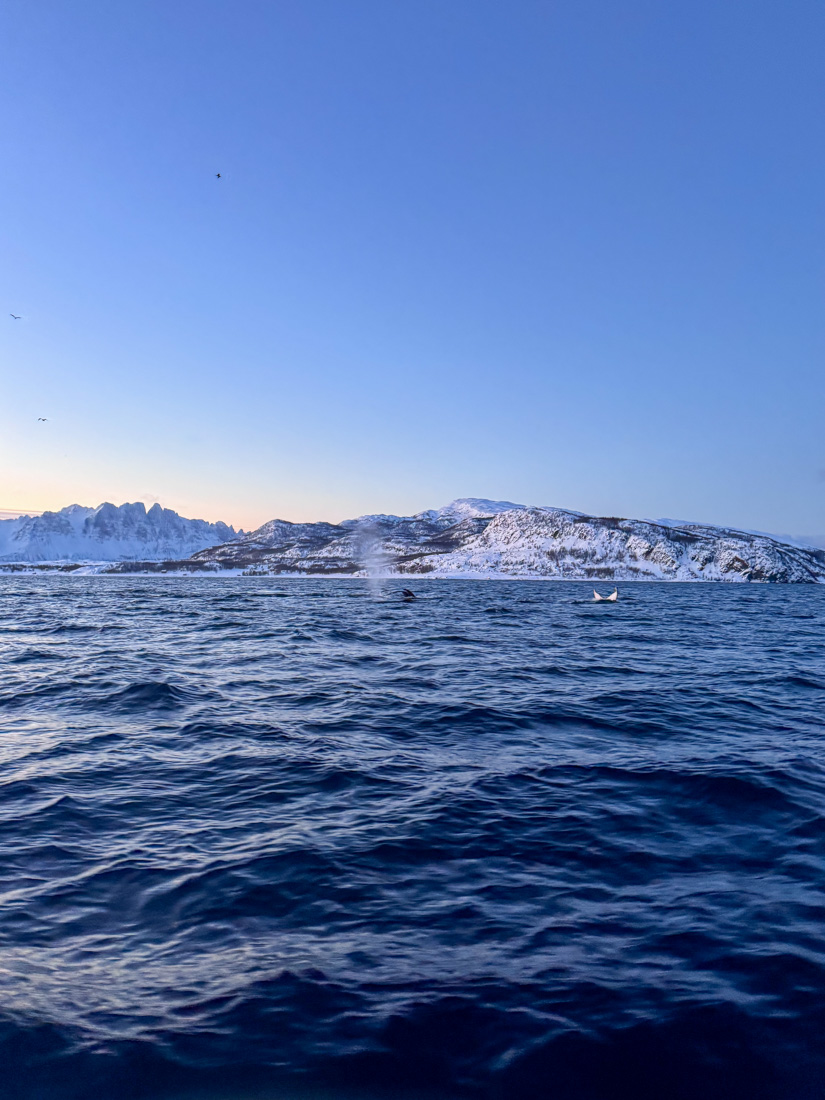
(264, 841)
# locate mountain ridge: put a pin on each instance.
(107, 533)
(469, 537)
(472, 537)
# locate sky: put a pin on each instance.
(564, 253)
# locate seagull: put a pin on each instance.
(16, 316)
(614, 595)
(43, 418)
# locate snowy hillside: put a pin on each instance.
(469, 508)
(553, 543)
(479, 538)
(107, 533)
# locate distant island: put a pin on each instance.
(107, 533)
(470, 537)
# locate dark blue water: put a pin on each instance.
(286, 839)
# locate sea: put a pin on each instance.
(298, 839)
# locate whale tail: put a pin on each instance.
(614, 595)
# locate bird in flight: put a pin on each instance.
(43, 418)
(217, 175)
(16, 316)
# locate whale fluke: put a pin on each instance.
(614, 595)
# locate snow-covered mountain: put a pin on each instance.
(107, 533)
(470, 508)
(496, 538)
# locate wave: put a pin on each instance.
(149, 695)
(317, 848)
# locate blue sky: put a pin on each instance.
(560, 253)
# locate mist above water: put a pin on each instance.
(373, 558)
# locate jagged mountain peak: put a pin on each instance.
(109, 532)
